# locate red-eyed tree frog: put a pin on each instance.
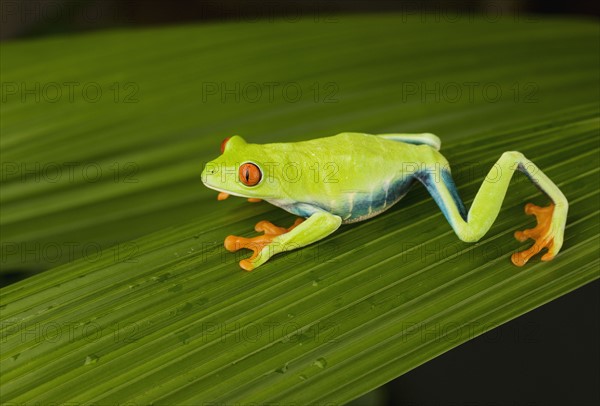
(351, 177)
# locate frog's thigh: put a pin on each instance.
(440, 185)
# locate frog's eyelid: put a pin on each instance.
(224, 144)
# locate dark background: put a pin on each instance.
(27, 18)
(533, 360)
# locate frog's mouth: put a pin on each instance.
(223, 193)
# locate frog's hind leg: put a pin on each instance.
(472, 226)
(417, 139)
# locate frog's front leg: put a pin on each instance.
(279, 239)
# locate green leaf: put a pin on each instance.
(169, 318)
(77, 166)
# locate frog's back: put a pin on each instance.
(368, 173)
(354, 145)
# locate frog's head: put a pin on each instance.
(240, 170)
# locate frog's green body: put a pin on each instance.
(352, 176)
(336, 174)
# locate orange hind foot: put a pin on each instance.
(541, 233)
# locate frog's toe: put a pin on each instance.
(271, 229)
(247, 264)
(234, 243)
(521, 258)
(541, 233)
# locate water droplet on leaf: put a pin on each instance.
(320, 362)
(161, 278)
(175, 288)
(184, 338)
(282, 370)
(91, 359)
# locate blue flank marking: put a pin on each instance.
(449, 182)
(300, 209)
(533, 180)
(412, 142)
(396, 191)
(429, 182)
(363, 201)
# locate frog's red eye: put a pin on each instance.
(250, 174)
(223, 143)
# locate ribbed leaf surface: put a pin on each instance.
(169, 318)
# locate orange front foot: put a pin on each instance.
(541, 234)
(257, 244)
